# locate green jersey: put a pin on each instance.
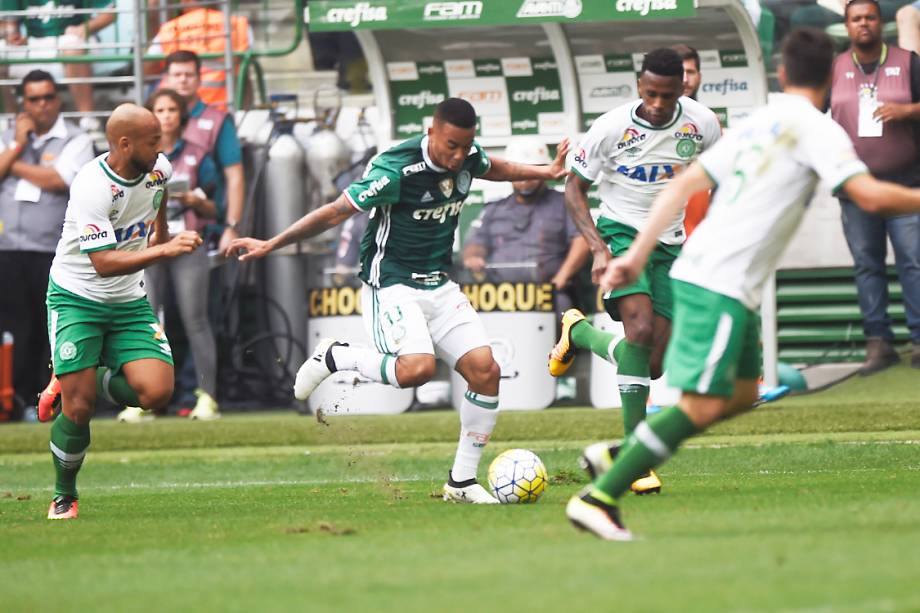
(415, 206)
(49, 17)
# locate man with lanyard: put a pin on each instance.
(412, 311)
(633, 151)
(874, 97)
(214, 130)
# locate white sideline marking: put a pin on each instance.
(192, 485)
(256, 483)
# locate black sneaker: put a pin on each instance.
(63, 507)
(596, 516)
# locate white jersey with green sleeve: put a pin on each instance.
(106, 211)
(766, 170)
(632, 160)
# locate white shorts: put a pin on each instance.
(39, 49)
(402, 320)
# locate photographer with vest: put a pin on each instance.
(39, 158)
(194, 195)
(875, 97)
(212, 129)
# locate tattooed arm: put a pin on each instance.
(576, 203)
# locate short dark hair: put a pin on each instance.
(686, 52)
(35, 76)
(846, 8)
(183, 56)
(664, 62)
(175, 97)
(457, 112)
(808, 55)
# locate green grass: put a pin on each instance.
(811, 504)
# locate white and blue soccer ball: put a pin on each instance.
(517, 475)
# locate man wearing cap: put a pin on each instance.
(527, 236)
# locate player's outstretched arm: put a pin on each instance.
(313, 223)
(112, 263)
(576, 203)
(668, 204)
(505, 170)
(882, 197)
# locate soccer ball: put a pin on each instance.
(517, 475)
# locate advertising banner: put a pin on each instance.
(516, 95)
(339, 15)
(607, 81)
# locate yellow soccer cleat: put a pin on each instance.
(646, 484)
(563, 353)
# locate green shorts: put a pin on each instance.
(655, 279)
(87, 334)
(715, 340)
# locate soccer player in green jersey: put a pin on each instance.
(114, 226)
(766, 168)
(632, 152)
(412, 311)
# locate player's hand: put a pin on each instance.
(226, 240)
(892, 111)
(559, 281)
(24, 125)
(182, 243)
(599, 266)
(621, 272)
(475, 263)
(557, 168)
(247, 248)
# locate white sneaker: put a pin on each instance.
(206, 407)
(473, 494)
(596, 459)
(314, 371)
(134, 415)
(595, 516)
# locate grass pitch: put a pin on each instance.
(810, 504)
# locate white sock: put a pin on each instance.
(478, 414)
(612, 346)
(371, 364)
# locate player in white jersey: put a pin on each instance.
(632, 152)
(104, 336)
(766, 169)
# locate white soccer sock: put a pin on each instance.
(371, 364)
(478, 414)
(617, 339)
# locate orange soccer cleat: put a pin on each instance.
(49, 400)
(63, 507)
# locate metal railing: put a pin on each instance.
(135, 50)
